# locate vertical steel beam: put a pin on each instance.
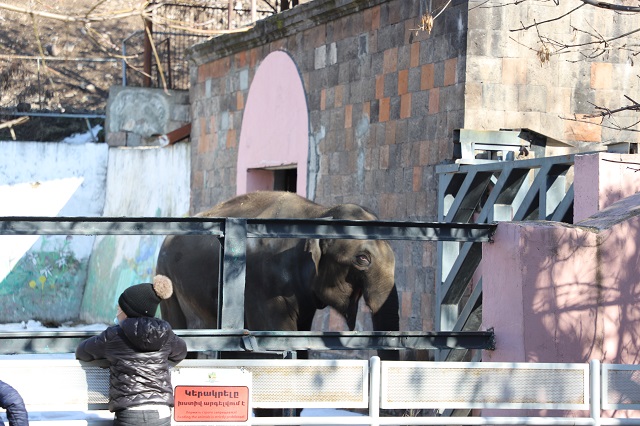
(233, 274)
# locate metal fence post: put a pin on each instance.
(233, 274)
(595, 392)
(374, 390)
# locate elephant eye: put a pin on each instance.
(362, 260)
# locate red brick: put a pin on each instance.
(241, 60)
(450, 71)
(434, 101)
(405, 106)
(239, 101)
(232, 141)
(253, 57)
(379, 86)
(426, 77)
(403, 82)
(385, 110)
(348, 114)
(375, 18)
(217, 68)
(417, 179)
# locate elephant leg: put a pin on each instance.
(388, 319)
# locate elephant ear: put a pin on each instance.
(313, 246)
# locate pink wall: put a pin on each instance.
(569, 293)
(275, 125)
(554, 292)
(601, 180)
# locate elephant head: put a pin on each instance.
(346, 270)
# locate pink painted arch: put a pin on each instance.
(275, 126)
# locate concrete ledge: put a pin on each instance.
(281, 25)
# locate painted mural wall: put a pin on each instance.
(56, 279)
(43, 277)
(141, 182)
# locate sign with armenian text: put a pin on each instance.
(205, 396)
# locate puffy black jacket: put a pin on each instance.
(11, 401)
(138, 351)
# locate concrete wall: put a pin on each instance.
(43, 277)
(508, 86)
(141, 182)
(66, 278)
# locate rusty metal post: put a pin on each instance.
(148, 52)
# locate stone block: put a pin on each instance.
(531, 98)
(473, 95)
(390, 84)
(438, 74)
(417, 128)
(181, 113)
(514, 71)
(601, 75)
(587, 130)
(116, 138)
(320, 57)
(133, 139)
(404, 57)
(414, 79)
(484, 69)
(394, 109)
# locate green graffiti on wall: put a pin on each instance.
(46, 284)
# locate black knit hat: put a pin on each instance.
(141, 300)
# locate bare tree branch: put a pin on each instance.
(611, 6)
(72, 18)
(557, 18)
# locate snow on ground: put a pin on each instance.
(88, 136)
(32, 325)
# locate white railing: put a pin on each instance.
(65, 391)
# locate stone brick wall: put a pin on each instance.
(508, 86)
(383, 98)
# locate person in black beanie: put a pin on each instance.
(139, 348)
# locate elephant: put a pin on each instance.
(287, 279)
